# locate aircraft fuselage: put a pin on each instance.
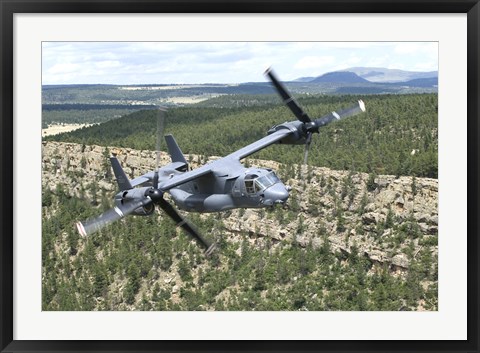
(251, 188)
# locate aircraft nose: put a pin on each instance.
(276, 193)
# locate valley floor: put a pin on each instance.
(61, 128)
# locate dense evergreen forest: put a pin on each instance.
(398, 135)
(144, 263)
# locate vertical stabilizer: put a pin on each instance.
(174, 151)
(122, 180)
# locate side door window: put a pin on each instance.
(249, 187)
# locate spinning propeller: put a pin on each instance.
(141, 201)
(310, 126)
(108, 217)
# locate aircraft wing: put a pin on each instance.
(142, 179)
(228, 160)
(186, 177)
(260, 144)
(175, 181)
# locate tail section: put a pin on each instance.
(174, 151)
(122, 180)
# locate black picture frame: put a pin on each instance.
(10, 7)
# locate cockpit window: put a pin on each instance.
(261, 183)
(273, 177)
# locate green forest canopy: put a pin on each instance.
(397, 135)
(238, 276)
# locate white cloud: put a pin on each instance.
(378, 61)
(63, 68)
(314, 62)
(426, 66)
(107, 64)
(232, 62)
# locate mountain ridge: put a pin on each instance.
(340, 77)
(384, 75)
(370, 75)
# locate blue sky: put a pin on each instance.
(221, 62)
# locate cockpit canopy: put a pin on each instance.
(255, 183)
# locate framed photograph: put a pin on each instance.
(241, 176)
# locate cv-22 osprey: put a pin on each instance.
(220, 185)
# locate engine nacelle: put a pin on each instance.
(132, 195)
(145, 210)
(298, 135)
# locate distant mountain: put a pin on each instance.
(58, 100)
(370, 74)
(420, 82)
(304, 79)
(340, 77)
(368, 80)
(383, 75)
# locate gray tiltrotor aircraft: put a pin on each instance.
(217, 186)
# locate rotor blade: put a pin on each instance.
(160, 129)
(357, 108)
(307, 147)
(108, 217)
(287, 98)
(155, 179)
(158, 143)
(182, 222)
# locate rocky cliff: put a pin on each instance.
(386, 218)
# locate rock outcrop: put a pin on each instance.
(346, 209)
